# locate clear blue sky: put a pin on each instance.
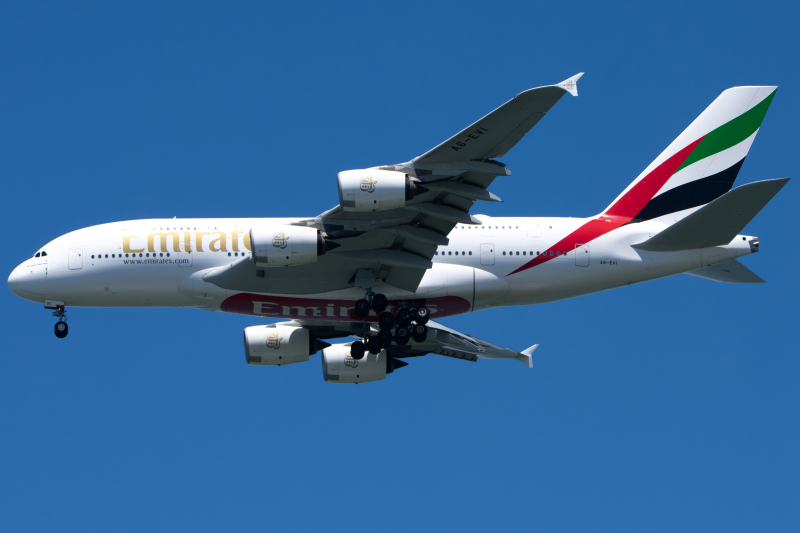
(666, 406)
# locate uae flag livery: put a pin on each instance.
(698, 167)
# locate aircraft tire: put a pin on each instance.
(401, 336)
(421, 315)
(373, 346)
(385, 338)
(386, 320)
(362, 308)
(419, 332)
(403, 317)
(61, 329)
(357, 350)
(379, 302)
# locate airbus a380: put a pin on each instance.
(402, 249)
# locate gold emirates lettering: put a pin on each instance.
(133, 240)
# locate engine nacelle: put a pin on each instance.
(375, 190)
(338, 366)
(274, 246)
(278, 344)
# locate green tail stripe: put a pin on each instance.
(731, 133)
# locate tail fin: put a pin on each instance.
(702, 163)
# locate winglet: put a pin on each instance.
(571, 85)
(526, 356)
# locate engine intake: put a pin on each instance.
(275, 246)
(375, 190)
(338, 366)
(279, 344)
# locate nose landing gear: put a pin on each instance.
(61, 328)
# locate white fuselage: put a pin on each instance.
(161, 262)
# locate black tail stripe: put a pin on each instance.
(692, 194)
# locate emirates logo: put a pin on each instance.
(273, 341)
(279, 239)
(368, 184)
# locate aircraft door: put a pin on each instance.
(487, 254)
(582, 255)
(75, 258)
(534, 229)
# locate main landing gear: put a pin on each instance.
(407, 323)
(61, 328)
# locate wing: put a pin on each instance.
(441, 340)
(397, 245)
(455, 177)
(499, 131)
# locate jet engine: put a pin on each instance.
(338, 366)
(374, 190)
(279, 344)
(274, 246)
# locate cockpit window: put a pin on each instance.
(44, 254)
(37, 254)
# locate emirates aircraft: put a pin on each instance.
(402, 251)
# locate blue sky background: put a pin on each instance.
(665, 406)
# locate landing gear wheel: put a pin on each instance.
(419, 332)
(421, 315)
(386, 320)
(403, 317)
(362, 308)
(384, 338)
(401, 336)
(374, 346)
(357, 350)
(379, 302)
(61, 329)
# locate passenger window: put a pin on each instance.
(113, 255)
(470, 253)
(456, 253)
(449, 253)
(504, 253)
(517, 253)
(92, 257)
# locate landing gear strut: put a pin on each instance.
(61, 328)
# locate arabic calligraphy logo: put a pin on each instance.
(273, 341)
(569, 85)
(349, 361)
(279, 239)
(368, 184)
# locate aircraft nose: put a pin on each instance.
(15, 280)
(26, 282)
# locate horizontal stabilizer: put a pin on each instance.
(727, 272)
(716, 223)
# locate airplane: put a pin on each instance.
(401, 251)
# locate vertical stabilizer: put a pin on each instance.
(702, 163)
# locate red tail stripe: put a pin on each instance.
(622, 212)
